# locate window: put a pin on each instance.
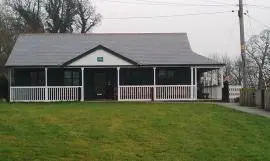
(162, 74)
(37, 78)
(166, 76)
(71, 78)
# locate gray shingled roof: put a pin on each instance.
(144, 49)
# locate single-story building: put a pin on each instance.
(123, 67)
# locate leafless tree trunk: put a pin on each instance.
(87, 17)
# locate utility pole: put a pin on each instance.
(243, 43)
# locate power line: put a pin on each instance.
(249, 20)
(166, 16)
(173, 3)
(230, 35)
(258, 6)
(258, 21)
(215, 1)
(148, 2)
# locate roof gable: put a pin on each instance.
(107, 58)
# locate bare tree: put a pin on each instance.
(56, 16)
(258, 51)
(10, 27)
(87, 17)
(29, 10)
(61, 15)
(237, 71)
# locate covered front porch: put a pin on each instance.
(51, 84)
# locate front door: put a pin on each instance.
(99, 85)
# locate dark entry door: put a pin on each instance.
(99, 85)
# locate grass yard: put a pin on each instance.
(131, 131)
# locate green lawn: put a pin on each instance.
(135, 131)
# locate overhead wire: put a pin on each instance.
(249, 20)
(149, 2)
(230, 34)
(258, 21)
(167, 16)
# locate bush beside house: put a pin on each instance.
(3, 87)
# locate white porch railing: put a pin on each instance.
(60, 93)
(175, 92)
(163, 93)
(44, 94)
(234, 91)
(27, 94)
(136, 93)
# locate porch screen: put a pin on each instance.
(29, 77)
(64, 77)
(173, 76)
(136, 76)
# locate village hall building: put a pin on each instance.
(123, 67)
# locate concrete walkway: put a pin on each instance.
(251, 110)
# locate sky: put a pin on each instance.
(209, 32)
(214, 29)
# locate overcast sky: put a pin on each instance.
(208, 34)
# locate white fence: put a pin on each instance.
(158, 92)
(44, 94)
(215, 92)
(234, 91)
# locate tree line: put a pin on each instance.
(258, 62)
(40, 16)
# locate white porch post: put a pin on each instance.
(155, 90)
(10, 84)
(82, 85)
(221, 76)
(192, 83)
(196, 83)
(118, 83)
(212, 84)
(46, 84)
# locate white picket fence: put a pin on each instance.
(215, 92)
(158, 92)
(44, 94)
(234, 91)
